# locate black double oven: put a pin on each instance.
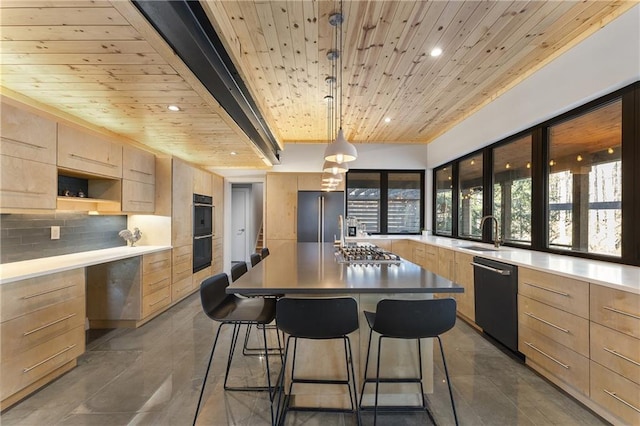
(202, 231)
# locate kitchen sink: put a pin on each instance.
(479, 248)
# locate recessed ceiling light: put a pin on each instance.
(436, 51)
(233, 153)
(387, 120)
(173, 108)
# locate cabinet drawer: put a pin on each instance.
(616, 351)
(20, 187)
(155, 281)
(25, 296)
(156, 261)
(138, 165)
(182, 263)
(181, 288)
(78, 150)
(200, 276)
(563, 293)
(26, 135)
(39, 361)
(138, 197)
(562, 327)
(619, 396)
(27, 331)
(155, 301)
(560, 361)
(616, 309)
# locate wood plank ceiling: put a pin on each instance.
(101, 62)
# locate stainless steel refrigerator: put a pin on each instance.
(318, 214)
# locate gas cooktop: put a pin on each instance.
(365, 254)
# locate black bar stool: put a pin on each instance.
(238, 270)
(233, 310)
(316, 319)
(409, 319)
(255, 259)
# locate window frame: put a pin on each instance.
(384, 193)
(630, 118)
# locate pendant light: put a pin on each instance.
(340, 151)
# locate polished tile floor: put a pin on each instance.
(152, 376)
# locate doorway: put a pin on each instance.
(240, 223)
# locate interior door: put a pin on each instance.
(239, 222)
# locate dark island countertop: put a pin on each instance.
(313, 268)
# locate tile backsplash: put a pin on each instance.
(28, 236)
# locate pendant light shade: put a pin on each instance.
(334, 168)
(340, 151)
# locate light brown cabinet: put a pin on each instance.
(182, 204)
(218, 206)
(28, 175)
(313, 182)
(42, 331)
(127, 292)
(202, 182)
(463, 276)
(281, 207)
(615, 352)
(88, 153)
(553, 326)
(138, 180)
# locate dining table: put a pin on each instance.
(296, 269)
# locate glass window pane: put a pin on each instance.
(470, 197)
(585, 182)
(403, 198)
(444, 198)
(363, 199)
(512, 190)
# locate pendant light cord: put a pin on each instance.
(340, 58)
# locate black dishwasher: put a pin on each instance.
(496, 297)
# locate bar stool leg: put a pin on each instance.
(366, 367)
(204, 381)
(446, 373)
(375, 406)
(354, 400)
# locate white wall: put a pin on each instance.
(607, 60)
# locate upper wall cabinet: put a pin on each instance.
(28, 160)
(88, 153)
(138, 180)
(202, 182)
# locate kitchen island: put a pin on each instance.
(314, 270)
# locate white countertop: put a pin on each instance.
(614, 275)
(15, 271)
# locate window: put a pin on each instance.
(387, 202)
(556, 187)
(470, 197)
(512, 190)
(585, 182)
(444, 200)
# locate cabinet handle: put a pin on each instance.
(611, 351)
(546, 322)
(549, 289)
(158, 261)
(68, 348)
(617, 311)
(161, 300)
(23, 193)
(27, 144)
(141, 172)
(547, 355)
(47, 292)
(158, 282)
(140, 201)
(48, 325)
(489, 268)
(91, 160)
(613, 395)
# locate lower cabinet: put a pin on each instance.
(463, 276)
(128, 292)
(42, 331)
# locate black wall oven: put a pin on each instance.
(202, 231)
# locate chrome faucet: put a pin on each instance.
(496, 236)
